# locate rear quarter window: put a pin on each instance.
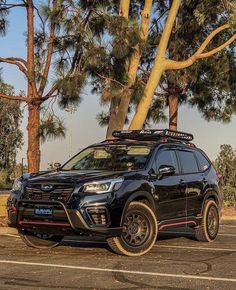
(203, 162)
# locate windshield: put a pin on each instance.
(110, 157)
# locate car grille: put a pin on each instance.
(60, 192)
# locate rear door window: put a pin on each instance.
(188, 162)
(167, 157)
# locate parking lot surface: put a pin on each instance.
(177, 261)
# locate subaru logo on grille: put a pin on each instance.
(46, 187)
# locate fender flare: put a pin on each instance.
(133, 196)
(210, 193)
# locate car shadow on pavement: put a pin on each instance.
(100, 242)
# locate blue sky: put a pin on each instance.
(84, 129)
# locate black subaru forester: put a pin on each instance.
(127, 190)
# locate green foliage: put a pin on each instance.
(103, 119)
(225, 164)
(233, 16)
(51, 128)
(11, 135)
(3, 19)
(229, 193)
(70, 88)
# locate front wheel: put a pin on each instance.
(40, 241)
(139, 231)
(208, 230)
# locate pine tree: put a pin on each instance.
(199, 85)
(59, 48)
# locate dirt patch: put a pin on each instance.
(229, 211)
(3, 221)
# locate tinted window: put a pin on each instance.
(188, 162)
(110, 157)
(202, 161)
(167, 157)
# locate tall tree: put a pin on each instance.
(134, 48)
(62, 42)
(163, 63)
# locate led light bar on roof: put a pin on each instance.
(152, 135)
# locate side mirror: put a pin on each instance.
(152, 174)
(166, 170)
(57, 165)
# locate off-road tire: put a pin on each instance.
(203, 232)
(35, 241)
(120, 246)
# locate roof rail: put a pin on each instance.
(152, 135)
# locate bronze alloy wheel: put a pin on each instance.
(139, 231)
(212, 221)
(136, 229)
(208, 230)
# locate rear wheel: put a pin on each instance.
(208, 230)
(40, 241)
(139, 233)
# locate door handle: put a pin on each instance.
(204, 180)
(182, 183)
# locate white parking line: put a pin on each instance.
(196, 248)
(227, 235)
(227, 226)
(121, 271)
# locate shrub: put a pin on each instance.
(229, 196)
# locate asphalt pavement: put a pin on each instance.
(177, 261)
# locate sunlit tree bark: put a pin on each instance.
(163, 64)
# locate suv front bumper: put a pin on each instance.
(23, 217)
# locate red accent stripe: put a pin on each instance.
(44, 223)
(175, 224)
(13, 208)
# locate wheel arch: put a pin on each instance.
(210, 194)
(140, 196)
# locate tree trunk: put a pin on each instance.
(124, 8)
(146, 101)
(118, 117)
(33, 152)
(113, 124)
(173, 112)
(160, 65)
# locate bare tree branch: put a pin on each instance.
(14, 98)
(18, 62)
(111, 80)
(175, 65)
(10, 6)
(50, 93)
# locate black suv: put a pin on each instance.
(127, 189)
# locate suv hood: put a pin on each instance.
(73, 176)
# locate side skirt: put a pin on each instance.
(190, 221)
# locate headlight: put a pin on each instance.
(17, 186)
(103, 186)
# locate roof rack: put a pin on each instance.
(153, 135)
